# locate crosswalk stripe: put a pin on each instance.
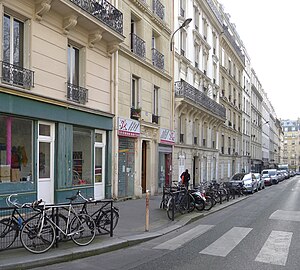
(181, 239)
(276, 248)
(286, 215)
(227, 242)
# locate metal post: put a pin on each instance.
(147, 211)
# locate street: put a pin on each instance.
(261, 232)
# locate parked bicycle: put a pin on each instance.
(11, 226)
(38, 233)
(102, 216)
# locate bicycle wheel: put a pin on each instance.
(192, 203)
(82, 229)
(208, 203)
(104, 221)
(170, 206)
(36, 239)
(9, 230)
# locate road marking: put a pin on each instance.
(180, 240)
(276, 248)
(286, 215)
(226, 242)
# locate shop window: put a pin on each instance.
(16, 159)
(82, 156)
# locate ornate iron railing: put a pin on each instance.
(158, 59)
(158, 9)
(103, 11)
(77, 94)
(185, 90)
(17, 76)
(138, 46)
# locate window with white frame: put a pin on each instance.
(155, 100)
(73, 65)
(183, 42)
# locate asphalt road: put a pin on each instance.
(261, 232)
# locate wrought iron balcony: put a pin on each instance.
(155, 118)
(185, 90)
(159, 9)
(135, 113)
(17, 76)
(103, 11)
(77, 94)
(158, 59)
(138, 46)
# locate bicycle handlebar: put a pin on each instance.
(15, 203)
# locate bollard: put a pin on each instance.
(147, 211)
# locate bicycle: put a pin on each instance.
(11, 226)
(39, 232)
(103, 216)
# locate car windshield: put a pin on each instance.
(265, 176)
(238, 177)
(272, 172)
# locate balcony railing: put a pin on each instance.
(185, 90)
(155, 118)
(159, 9)
(135, 113)
(77, 94)
(103, 11)
(17, 76)
(138, 46)
(158, 59)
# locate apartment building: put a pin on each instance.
(198, 113)
(144, 135)
(232, 65)
(256, 123)
(291, 143)
(56, 97)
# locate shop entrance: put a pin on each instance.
(126, 167)
(99, 175)
(45, 162)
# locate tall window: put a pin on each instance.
(196, 16)
(73, 65)
(134, 92)
(183, 42)
(155, 100)
(13, 39)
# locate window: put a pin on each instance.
(183, 42)
(182, 8)
(134, 92)
(82, 156)
(155, 100)
(196, 15)
(16, 158)
(13, 39)
(73, 65)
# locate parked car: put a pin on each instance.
(247, 180)
(272, 173)
(280, 176)
(267, 179)
(260, 181)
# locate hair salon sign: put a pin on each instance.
(167, 136)
(129, 128)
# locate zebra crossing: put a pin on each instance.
(274, 251)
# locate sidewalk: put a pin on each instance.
(129, 231)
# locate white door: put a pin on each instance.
(45, 162)
(99, 165)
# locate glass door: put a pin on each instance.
(45, 162)
(99, 165)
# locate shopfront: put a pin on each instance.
(128, 132)
(49, 151)
(165, 148)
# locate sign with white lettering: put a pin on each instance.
(129, 127)
(167, 136)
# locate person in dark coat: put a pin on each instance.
(185, 176)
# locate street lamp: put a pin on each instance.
(185, 23)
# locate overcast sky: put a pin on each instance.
(270, 32)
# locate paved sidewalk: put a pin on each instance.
(129, 231)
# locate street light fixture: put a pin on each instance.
(184, 24)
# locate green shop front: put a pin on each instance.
(49, 151)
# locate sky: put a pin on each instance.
(270, 31)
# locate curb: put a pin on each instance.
(69, 254)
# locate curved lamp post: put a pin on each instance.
(185, 23)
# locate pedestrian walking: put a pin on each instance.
(185, 176)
